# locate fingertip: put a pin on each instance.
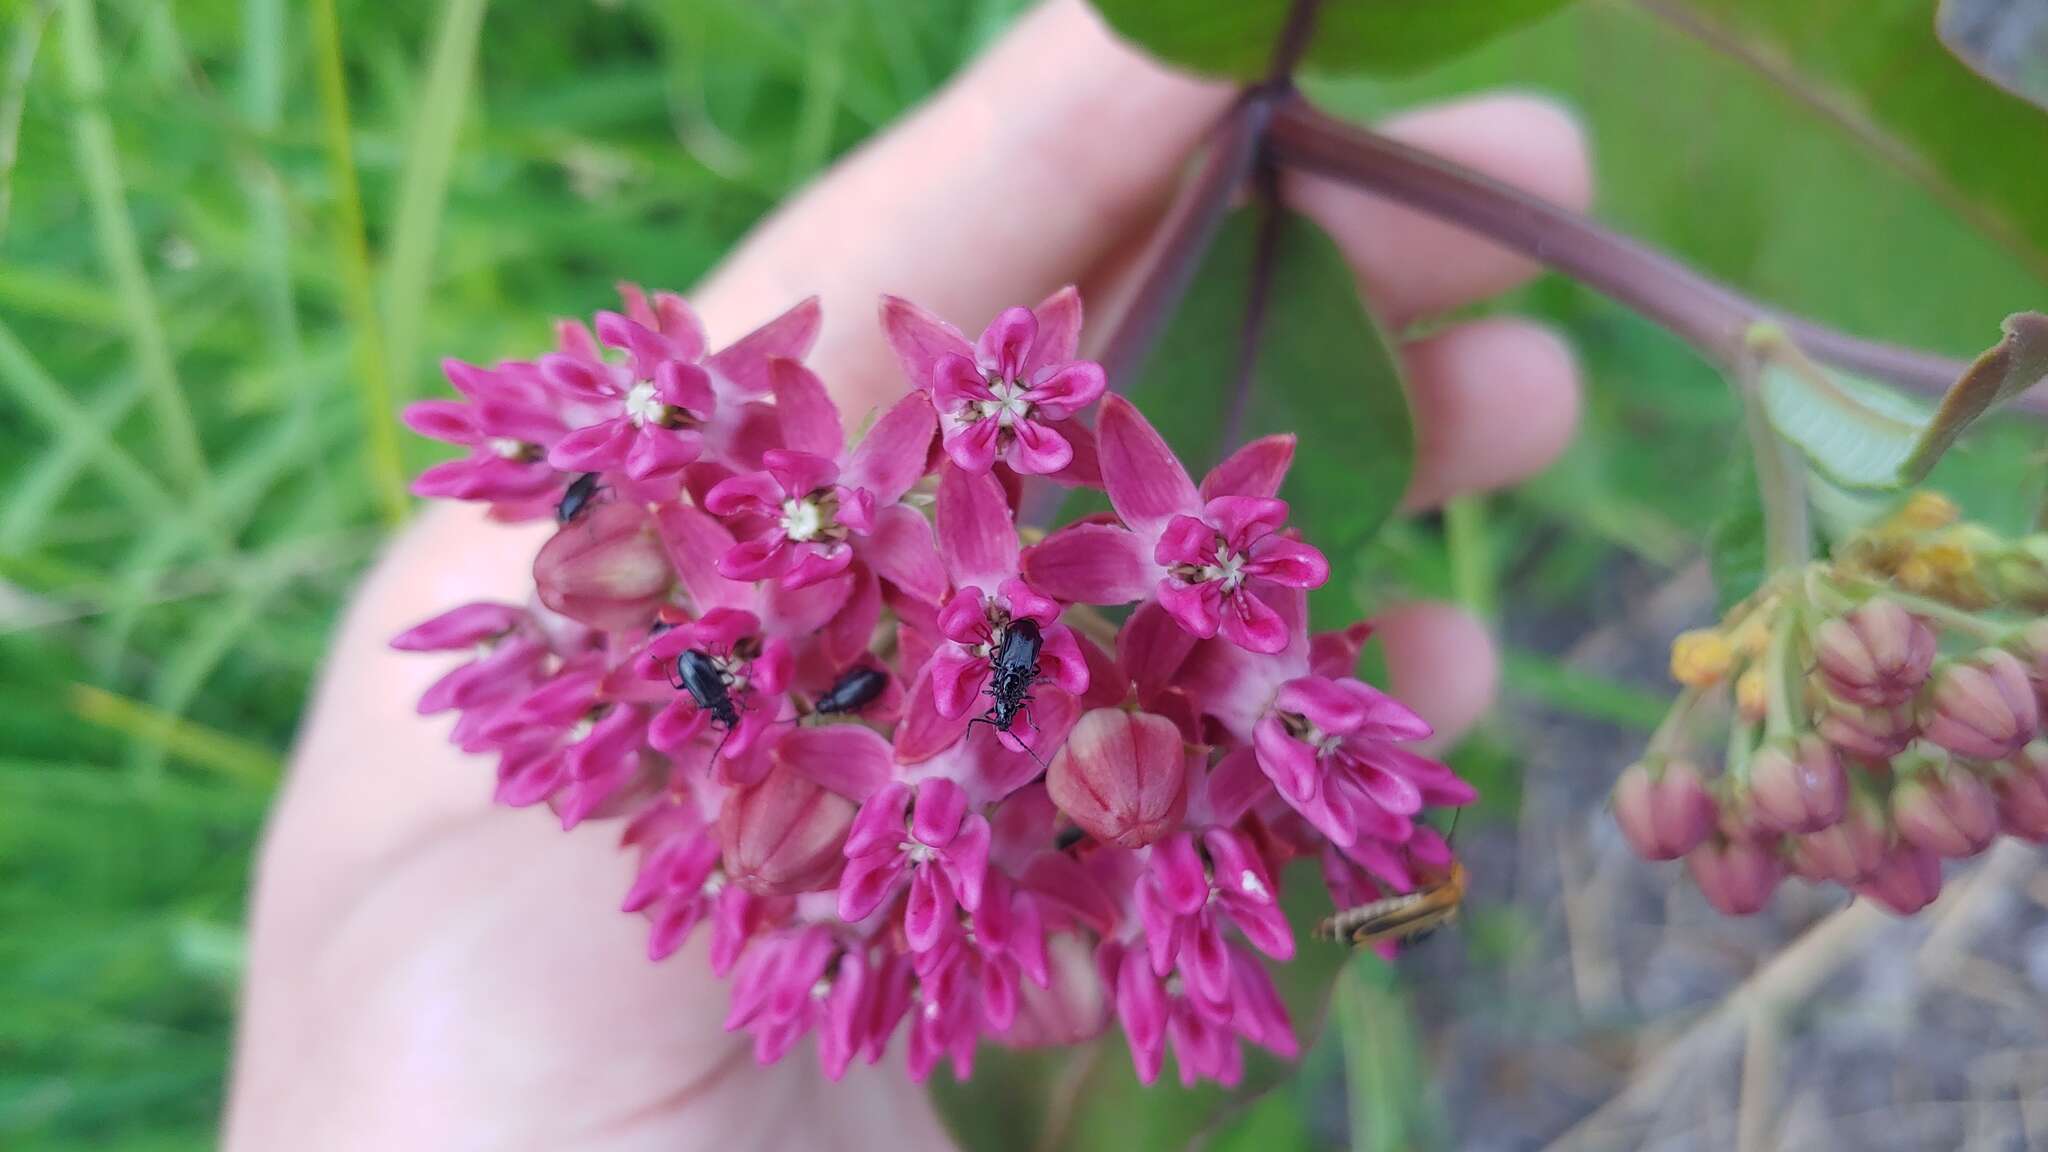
(1495, 401)
(1442, 663)
(1529, 139)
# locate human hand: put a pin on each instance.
(427, 971)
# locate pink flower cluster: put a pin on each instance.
(876, 745)
(1892, 759)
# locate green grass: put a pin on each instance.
(238, 233)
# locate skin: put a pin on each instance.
(427, 971)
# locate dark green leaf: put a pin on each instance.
(1324, 373)
(1864, 436)
(1236, 38)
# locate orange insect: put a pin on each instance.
(1400, 919)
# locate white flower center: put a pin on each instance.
(802, 520)
(1007, 405)
(918, 852)
(643, 407)
(1229, 568)
(714, 883)
(509, 448)
(1250, 886)
(822, 988)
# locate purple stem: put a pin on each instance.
(1711, 316)
(1265, 246)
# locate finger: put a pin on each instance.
(1412, 265)
(1495, 401)
(1440, 662)
(1038, 159)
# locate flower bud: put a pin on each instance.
(2021, 788)
(1868, 733)
(1847, 852)
(1700, 658)
(1797, 785)
(2031, 646)
(1982, 707)
(1665, 814)
(1736, 876)
(784, 833)
(1907, 880)
(1876, 655)
(606, 569)
(1925, 511)
(1752, 694)
(1122, 776)
(1949, 812)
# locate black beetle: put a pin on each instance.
(699, 675)
(582, 490)
(855, 690)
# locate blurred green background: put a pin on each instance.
(192, 476)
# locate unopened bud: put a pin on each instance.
(605, 569)
(1868, 733)
(1736, 876)
(1797, 785)
(1877, 655)
(784, 833)
(2031, 647)
(1949, 812)
(1982, 707)
(1752, 694)
(1847, 852)
(1700, 658)
(1926, 511)
(1905, 881)
(1122, 776)
(2021, 789)
(1663, 814)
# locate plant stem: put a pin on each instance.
(1265, 243)
(1708, 315)
(1781, 676)
(1191, 221)
(359, 302)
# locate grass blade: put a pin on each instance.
(359, 303)
(43, 397)
(42, 484)
(423, 188)
(99, 166)
(21, 62)
(229, 756)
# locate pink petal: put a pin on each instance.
(901, 551)
(1023, 600)
(956, 678)
(1060, 660)
(694, 542)
(1068, 389)
(1257, 469)
(891, 457)
(1331, 705)
(967, 859)
(1289, 763)
(658, 452)
(924, 732)
(757, 492)
(800, 473)
(1248, 623)
(964, 619)
(867, 881)
(941, 806)
(976, 537)
(458, 628)
(1288, 562)
(1235, 785)
(762, 558)
(1006, 342)
(1146, 481)
(1141, 1007)
(447, 420)
(1152, 646)
(1085, 469)
(1059, 331)
(598, 448)
(1243, 519)
(801, 612)
(847, 633)
(972, 446)
(810, 420)
(1091, 564)
(1197, 608)
(744, 363)
(930, 907)
(1037, 450)
(879, 826)
(579, 377)
(848, 759)
(920, 339)
(818, 562)
(685, 386)
(1186, 540)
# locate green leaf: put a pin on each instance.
(1325, 372)
(1862, 435)
(1236, 38)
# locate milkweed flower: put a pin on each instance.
(1029, 822)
